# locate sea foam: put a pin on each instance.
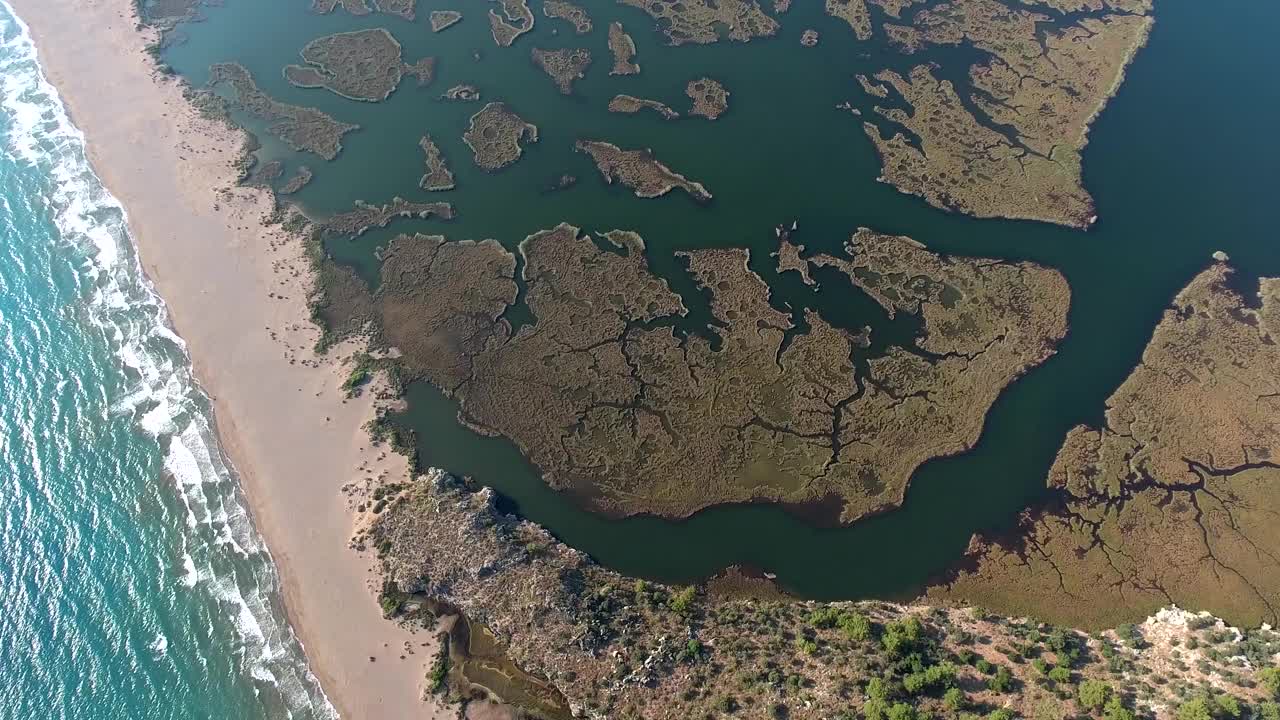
(220, 553)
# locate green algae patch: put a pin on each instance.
(1171, 501)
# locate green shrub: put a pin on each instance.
(931, 679)
(984, 666)
(1270, 679)
(692, 651)
(1000, 714)
(954, 699)
(854, 625)
(1060, 675)
(1115, 710)
(901, 711)
(440, 670)
(824, 617)
(1094, 694)
(1227, 707)
(901, 636)
(878, 689)
(1269, 710)
(1198, 708)
(1002, 681)
(682, 601)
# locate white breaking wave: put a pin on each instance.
(163, 397)
(160, 646)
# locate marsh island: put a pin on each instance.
(633, 414)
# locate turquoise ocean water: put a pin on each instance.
(132, 583)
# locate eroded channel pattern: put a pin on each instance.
(1011, 147)
(1174, 499)
(633, 415)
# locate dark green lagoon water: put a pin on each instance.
(1181, 163)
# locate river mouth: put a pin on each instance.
(1174, 180)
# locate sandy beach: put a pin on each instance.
(236, 291)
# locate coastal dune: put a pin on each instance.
(236, 292)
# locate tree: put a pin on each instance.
(1269, 710)
(878, 689)
(692, 651)
(900, 636)
(1115, 710)
(1002, 681)
(1270, 679)
(1094, 694)
(1195, 709)
(682, 601)
(825, 617)
(1227, 706)
(1060, 674)
(954, 699)
(902, 711)
(932, 678)
(854, 625)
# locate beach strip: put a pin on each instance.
(236, 291)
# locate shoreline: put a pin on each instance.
(236, 292)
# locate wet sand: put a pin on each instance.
(236, 292)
